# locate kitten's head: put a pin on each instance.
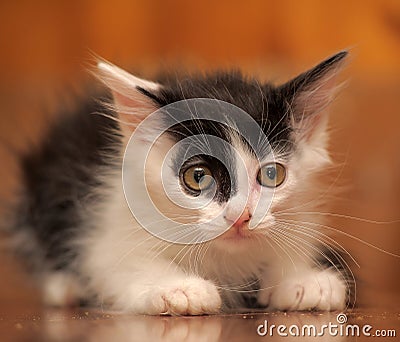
(220, 154)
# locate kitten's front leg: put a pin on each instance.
(155, 291)
(309, 289)
(177, 296)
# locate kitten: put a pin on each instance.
(216, 221)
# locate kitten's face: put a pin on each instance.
(213, 178)
(224, 177)
(236, 194)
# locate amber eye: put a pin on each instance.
(198, 178)
(271, 175)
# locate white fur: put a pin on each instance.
(118, 79)
(129, 269)
(61, 289)
(306, 289)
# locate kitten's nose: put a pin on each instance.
(241, 220)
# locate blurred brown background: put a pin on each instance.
(46, 45)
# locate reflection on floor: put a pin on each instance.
(97, 326)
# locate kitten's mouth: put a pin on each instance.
(236, 233)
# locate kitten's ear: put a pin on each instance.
(310, 94)
(134, 98)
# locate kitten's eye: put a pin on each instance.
(198, 178)
(271, 175)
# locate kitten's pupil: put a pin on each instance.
(197, 178)
(271, 172)
(198, 175)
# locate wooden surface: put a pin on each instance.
(96, 326)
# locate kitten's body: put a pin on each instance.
(88, 246)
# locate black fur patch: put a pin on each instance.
(263, 102)
(59, 176)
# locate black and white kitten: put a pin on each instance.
(74, 224)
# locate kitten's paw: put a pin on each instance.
(314, 290)
(60, 289)
(191, 296)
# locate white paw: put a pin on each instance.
(191, 296)
(312, 290)
(60, 289)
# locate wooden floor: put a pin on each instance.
(96, 326)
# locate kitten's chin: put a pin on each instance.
(237, 240)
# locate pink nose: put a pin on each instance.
(243, 218)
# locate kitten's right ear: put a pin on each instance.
(134, 98)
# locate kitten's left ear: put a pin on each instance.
(134, 98)
(310, 94)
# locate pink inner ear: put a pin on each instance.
(310, 105)
(133, 108)
(315, 99)
(131, 105)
